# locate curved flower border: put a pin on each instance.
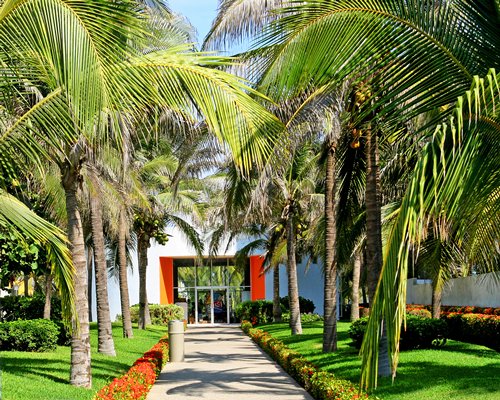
(322, 385)
(137, 382)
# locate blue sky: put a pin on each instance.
(200, 12)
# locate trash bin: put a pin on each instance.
(176, 341)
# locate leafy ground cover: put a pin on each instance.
(458, 370)
(45, 376)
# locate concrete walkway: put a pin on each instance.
(223, 363)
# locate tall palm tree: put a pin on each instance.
(348, 48)
(93, 68)
(105, 343)
(455, 182)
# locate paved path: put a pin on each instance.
(223, 363)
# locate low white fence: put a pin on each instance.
(477, 290)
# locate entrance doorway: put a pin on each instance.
(213, 305)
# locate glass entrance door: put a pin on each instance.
(204, 306)
(212, 306)
(220, 305)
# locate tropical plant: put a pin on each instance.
(90, 73)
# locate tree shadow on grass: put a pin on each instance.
(44, 367)
(435, 378)
(54, 369)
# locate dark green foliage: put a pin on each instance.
(257, 312)
(13, 308)
(29, 335)
(306, 306)
(420, 333)
(19, 254)
(480, 329)
(161, 314)
(304, 318)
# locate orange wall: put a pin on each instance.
(257, 278)
(166, 280)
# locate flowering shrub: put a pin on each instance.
(420, 333)
(456, 309)
(482, 329)
(322, 385)
(136, 383)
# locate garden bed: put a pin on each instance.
(456, 371)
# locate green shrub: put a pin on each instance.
(304, 318)
(482, 329)
(29, 335)
(322, 385)
(420, 333)
(306, 306)
(13, 308)
(420, 312)
(161, 314)
(257, 312)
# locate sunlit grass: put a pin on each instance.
(45, 376)
(458, 371)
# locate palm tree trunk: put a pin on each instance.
(276, 294)
(48, 295)
(80, 373)
(330, 300)
(122, 262)
(293, 288)
(142, 253)
(90, 257)
(437, 294)
(374, 237)
(26, 281)
(105, 344)
(373, 215)
(356, 272)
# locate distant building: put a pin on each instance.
(210, 289)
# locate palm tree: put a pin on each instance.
(455, 182)
(94, 68)
(105, 338)
(411, 36)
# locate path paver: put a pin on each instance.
(223, 363)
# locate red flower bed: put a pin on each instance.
(136, 383)
(482, 329)
(322, 385)
(456, 309)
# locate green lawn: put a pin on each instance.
(458, 371)
(45, 376)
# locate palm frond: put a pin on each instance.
(21, 221)
(457, 173)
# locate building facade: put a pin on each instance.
(211, 288)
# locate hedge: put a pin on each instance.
(420, 333)
(137, 382)
(13, 308)
(456, 309)
(161, 314)
(257, 312)
(482, 329)
(306, 306)
(322, 385)
(29, 335)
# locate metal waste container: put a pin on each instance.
(176, 341)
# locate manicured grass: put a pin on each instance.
(458, 371)
(45, 376)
